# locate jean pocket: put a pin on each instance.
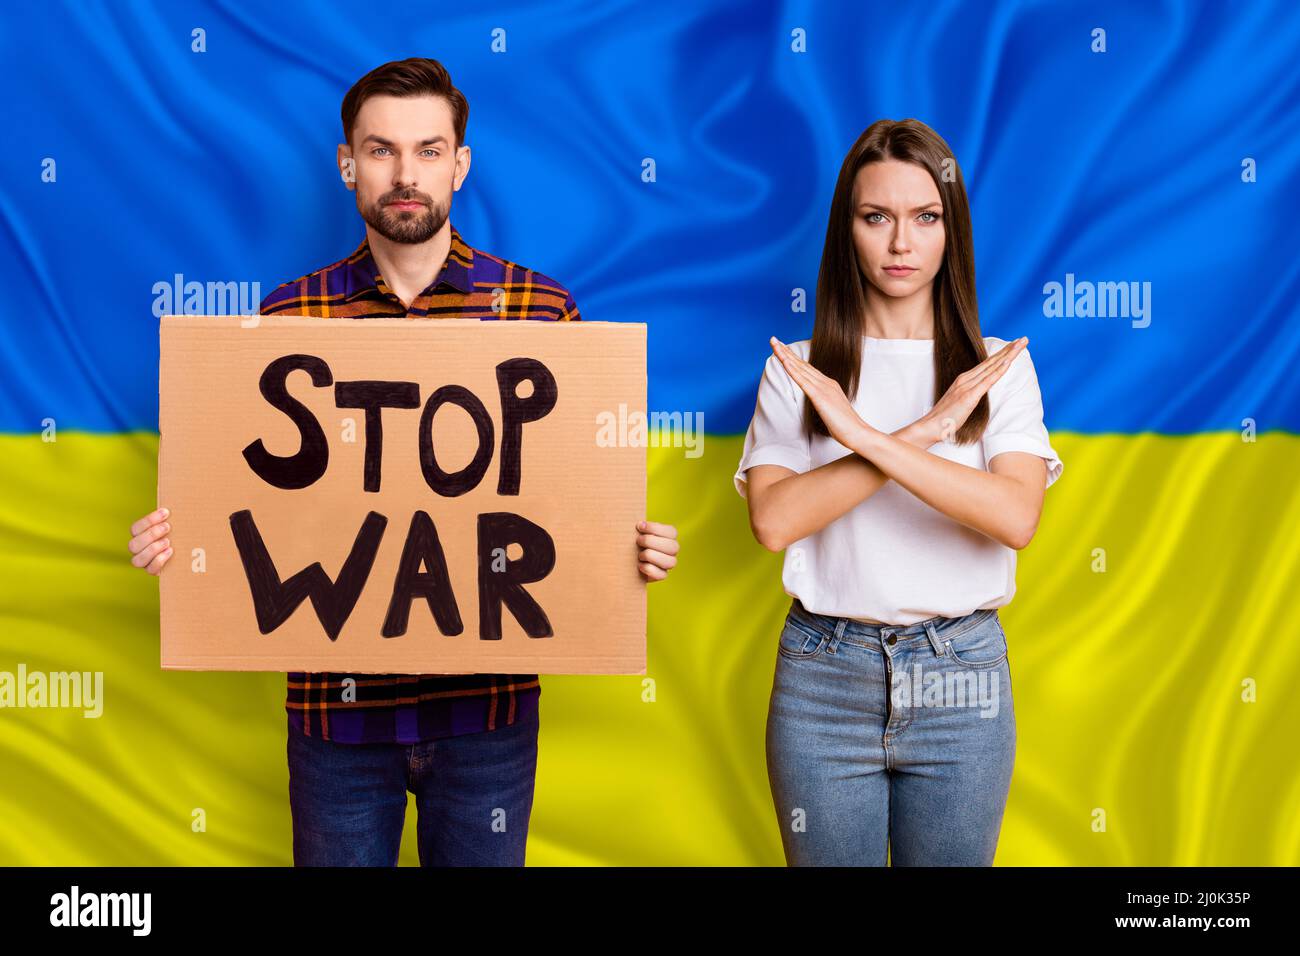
(984, 645)
(799, 641)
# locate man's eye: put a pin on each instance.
(431, 152)
(376, 151)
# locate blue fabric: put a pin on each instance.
(891, 743)
(1115, 166)
(473, 797)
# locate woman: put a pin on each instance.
(899, 458)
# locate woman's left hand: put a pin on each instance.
(842, 420)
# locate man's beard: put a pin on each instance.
(408, 227)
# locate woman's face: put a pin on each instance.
(897, 221)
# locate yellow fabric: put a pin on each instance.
(1128, 682)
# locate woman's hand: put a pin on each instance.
(658, 549)
(952, 410)
(842, 421)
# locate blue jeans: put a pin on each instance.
(891, 742)
(473, 792)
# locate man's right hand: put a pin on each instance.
(149, 544)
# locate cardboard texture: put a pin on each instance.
(248, 417)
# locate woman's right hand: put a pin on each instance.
(149, 544)
(952, 410)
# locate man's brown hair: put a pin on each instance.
(416, 76)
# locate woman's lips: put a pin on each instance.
(899, 270)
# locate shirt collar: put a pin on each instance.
(456, 271)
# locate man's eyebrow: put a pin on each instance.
(872, 205)
(387, 142)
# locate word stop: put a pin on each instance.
(308, 465)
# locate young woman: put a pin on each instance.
(899, 458)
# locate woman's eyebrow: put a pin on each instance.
(872, 205)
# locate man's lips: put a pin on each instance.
(407, 204)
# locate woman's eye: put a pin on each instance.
(869, 215)
(934, 214)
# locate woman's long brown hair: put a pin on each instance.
(836, 349)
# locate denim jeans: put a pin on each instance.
(891, 742)
(473, 793)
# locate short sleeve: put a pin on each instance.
(776, 434)
(1016, 417)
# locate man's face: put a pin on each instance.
(404, 165)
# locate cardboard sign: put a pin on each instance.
(401, 496)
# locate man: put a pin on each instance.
(465, 745)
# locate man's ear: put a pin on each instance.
(347, 166)
(462, 167)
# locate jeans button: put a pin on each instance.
(891, 640)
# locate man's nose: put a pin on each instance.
(404, 173)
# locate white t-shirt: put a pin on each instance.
(893, 559)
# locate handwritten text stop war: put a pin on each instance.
(501, 580)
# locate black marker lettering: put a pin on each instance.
(305, 467)
(452, 485)
(422, 544)
(498, 529)
(274, 601)
(374, 396)
(515, 411)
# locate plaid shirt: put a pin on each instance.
(406, 708)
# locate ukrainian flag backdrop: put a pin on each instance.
(1154, 638)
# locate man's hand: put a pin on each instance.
(658, 544)
(149, 544)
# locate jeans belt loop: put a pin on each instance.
(840, 625)
(940, 649)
